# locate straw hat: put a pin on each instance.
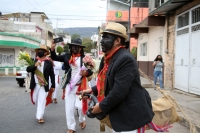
(43, 47)
(77, 42)
(116, 29)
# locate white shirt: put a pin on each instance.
(57, 66)
(76, 69)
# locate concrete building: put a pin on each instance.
(118, 11)
(171, 29)
(22, 32)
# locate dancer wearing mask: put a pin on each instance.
(39, 85)
(72, 62)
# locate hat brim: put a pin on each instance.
(76, 45)
(121, 35)
(42, 49)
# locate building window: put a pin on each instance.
(143, 50)
(196, 15)
(160, 47)
(183, 20)
(158, 3)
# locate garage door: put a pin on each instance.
(182, 62)
(194, 81)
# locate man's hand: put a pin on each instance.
(83, 73)
(38, 64)
(96, 109)
(53, 45)
(88, 90)
(63, 95)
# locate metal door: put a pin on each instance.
(181, 62)
(194, 78)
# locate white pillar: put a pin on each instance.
(14, 70)
(21, 68)
(6, 71)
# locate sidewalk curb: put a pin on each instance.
(184, 122)
(7, 76)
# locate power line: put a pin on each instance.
(30, 4)
(39, 5)
(43, 5)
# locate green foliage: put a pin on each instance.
(87, 42)
(60, 49)
(66, 48)
(25, 59)
(134, 52)
(75, 36)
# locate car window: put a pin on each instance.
(24, 68)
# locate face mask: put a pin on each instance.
(40, 53)
(75, 49)
(107, 42)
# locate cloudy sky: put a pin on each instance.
(63, 13)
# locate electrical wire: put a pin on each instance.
(39, 5)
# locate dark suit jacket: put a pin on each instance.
(126, 102)
(47, 72)
(65, 58)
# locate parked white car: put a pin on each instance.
(21, 76)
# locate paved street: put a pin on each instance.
(17, 114)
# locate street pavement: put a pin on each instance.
(17, 114)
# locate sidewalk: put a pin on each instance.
(189, 103)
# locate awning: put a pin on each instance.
(170, 5)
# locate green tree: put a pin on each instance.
(134, 52)
(60, 50)
(75, 36)
(87, 42)
(66, 48)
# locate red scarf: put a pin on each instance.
(72, 59)
(82, 87)
(102, 74)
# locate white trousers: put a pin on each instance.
(39, 98)
(135, 131)
(56, 87)
(71, 103)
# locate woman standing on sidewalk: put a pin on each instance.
(158, 65)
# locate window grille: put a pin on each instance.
(183, 20)
(196, 15)
(143, 51)
(195, 28)
(183, 31)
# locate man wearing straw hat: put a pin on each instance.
(39, 85)
(73, 62)
(118, 88)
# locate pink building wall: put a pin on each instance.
(137, 15)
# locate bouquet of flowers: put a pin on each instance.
(88, 63)
(24, 59)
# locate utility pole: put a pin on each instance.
(129, 21)
(56, 26)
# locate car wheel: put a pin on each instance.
(21, 84)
